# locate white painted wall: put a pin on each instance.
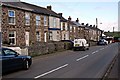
(51, 22)
(55, 24)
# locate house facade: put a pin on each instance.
(64, 28)
(24, 24)
(54, 25)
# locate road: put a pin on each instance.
(70, 64)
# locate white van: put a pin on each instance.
(80, 44)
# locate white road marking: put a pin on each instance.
(51, 71)
(106, 46)
(101, 48)
(96, 51)
(93, 52)
(82, 57)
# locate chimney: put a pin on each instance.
(82, 23)
(90, 25)
(93, 25)
(69, 18)
(87, 25)
(77, 20)
(60, 14)
(49, 7)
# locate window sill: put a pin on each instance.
(11, 23)
(27, 24)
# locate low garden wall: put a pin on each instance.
(39, 48)
(47, 48)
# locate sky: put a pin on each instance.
(106, 11)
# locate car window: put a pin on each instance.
(9, 52)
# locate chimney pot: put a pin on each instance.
(49, 7)
(69, 18)
(60, 14)
(77, 20)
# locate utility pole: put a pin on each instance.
(113, 29)
(97, 27)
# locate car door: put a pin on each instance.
(10, 60)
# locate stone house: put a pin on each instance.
(72, 29)
(54, 25)
(92, 33)
(24, 24)
(64, 28)
(79, 30)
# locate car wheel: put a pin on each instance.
(87, 48)
(26, 65)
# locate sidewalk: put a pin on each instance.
(114, 73)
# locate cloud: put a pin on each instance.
(108, 26)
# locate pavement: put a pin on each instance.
(113, 72)
(90, 64)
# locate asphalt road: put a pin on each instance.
(70, 64)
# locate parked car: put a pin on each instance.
(80, 44)
(11, 60)
(102, 42)
(116, 39)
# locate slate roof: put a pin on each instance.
(62, 19)
(31, 7)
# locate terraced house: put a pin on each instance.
(64, 28)
(54, 25)
(24, 24)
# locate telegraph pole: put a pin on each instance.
(113, 29)
(97, 27)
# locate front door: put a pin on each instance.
(45, 37)
(27, 38)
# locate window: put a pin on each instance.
(45, 21)
(38, 36)
(63, 26)
(50, 36)
(12, 37)
(37, 20)
(74, 29)
(54, 22)
(11, 17)
(27, 18)
(9, 52)
(70, 28)
(66, 27)
(79, 30)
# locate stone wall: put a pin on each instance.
(92, 43)
(47, 48)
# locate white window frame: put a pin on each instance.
(12, 37)
(27, 19)
(11, 17)
(70, 28)
(45, 20)
(51, 35)
(74, 28)
(38, 20)
(66, 27)
(38, 36)
(54, 22)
